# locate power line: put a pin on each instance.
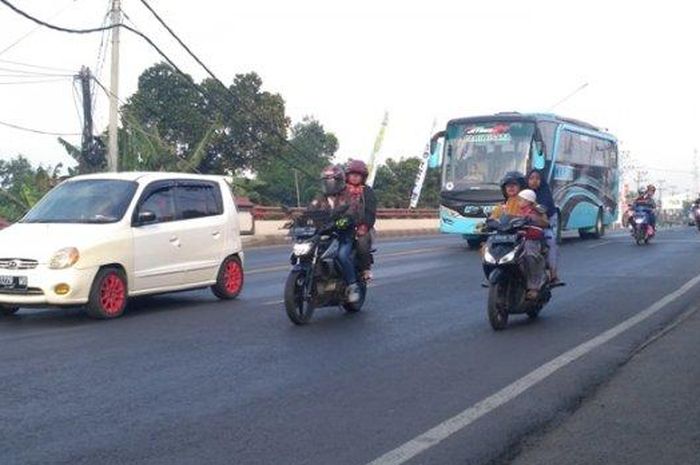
(40, 81)
(29, 65)
(54, 27)
(171, 63)
(37, 131)
(24, 36)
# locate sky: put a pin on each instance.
(346, 63)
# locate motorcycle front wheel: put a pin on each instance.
(497, 308)
(299, 310)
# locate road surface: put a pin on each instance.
(418, 377)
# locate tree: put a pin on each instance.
(276, 176)
(395, 181)
(168, 122)
(21, 185)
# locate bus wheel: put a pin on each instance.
(474, 244)
(599, 226)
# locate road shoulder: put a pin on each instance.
(648, 413)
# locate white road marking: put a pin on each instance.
(442, 431)
(598, 244)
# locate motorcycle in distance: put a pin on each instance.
(502, 261)
(642, 230)
(696, 216)
(316, 279)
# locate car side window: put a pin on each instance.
(162, 203)
(197, 201)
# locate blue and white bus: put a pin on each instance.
(579, 161)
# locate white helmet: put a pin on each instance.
(529, 195)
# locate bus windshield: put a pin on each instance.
(479, 154)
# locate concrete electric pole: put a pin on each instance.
(113, 154)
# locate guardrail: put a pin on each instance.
(276, 213)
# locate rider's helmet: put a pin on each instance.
(651, 189)
(513, 177)
(357, 167)
(641, 191)
(333, 180)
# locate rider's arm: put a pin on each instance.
(370, 207)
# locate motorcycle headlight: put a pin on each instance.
(302, 248)
(507, 258)
(639, 220)
(64, 258)
(488, 258)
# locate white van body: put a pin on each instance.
(171, 252)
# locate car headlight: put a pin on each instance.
(488, 258)
(507, 258)
(64, 258)
(302, 248)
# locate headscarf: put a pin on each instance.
(544, 194)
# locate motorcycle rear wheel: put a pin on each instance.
(497, 308)
(298, 309)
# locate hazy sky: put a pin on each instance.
(347, 62)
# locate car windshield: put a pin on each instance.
(86, 201)
(479, 154)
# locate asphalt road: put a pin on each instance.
(185, 379)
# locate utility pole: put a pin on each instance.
(113, 157)
(85, 77)
(296, 185)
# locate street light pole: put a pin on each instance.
(113, 154)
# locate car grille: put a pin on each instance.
(17, 264)
(28, 291)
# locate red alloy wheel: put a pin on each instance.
(112, 294)
(233, 277)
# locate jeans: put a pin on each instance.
(345, 259)
(550, 235)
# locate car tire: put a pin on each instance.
(109, 294)
(8, 311)
(229, 281)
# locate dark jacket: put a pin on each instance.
(544, 195)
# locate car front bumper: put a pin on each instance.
(41, 287)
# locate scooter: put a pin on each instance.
(642, 230)
(502, 262)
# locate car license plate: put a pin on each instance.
(507, 238)
(13, 282)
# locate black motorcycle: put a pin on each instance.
(316, 279)
(502, 261)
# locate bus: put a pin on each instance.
(579, 160)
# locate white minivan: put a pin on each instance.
(97, 240)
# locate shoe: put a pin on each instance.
(532, 294)
(353, 293)
(367, 276)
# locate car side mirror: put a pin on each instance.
(145, 217)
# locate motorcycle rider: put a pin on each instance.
(538, 183)
(646, 199)
(334, 195)
(522, 202)
(363, 208)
